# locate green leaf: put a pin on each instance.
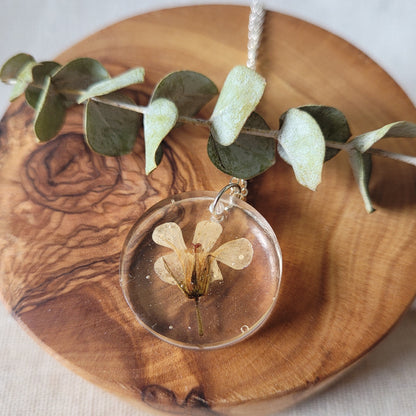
(240, 95)
(159, 154)
(398, 129)
(333, 124)
(39, 74)
(189, 90)
(303, 143)
(159, 119)
(283, 154)
(50, 113)
(110, 130)
(24, 78)
(361, 166)
(11, 69)
(133, 76)
(76, 76)
(248, 156)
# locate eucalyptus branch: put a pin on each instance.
(194, 121)
(272, 134)
(240, 143)
(411, 160)
(118, 104)
(337, 145)
(185, 119)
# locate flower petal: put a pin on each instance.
(169, 268)
(169, 235)
(236, 254)
(215, 271)
(206, 234)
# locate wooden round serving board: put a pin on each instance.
(347, 276)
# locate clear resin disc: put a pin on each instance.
(178, 250)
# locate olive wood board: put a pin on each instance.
(348, 276)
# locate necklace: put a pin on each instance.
(202, 269)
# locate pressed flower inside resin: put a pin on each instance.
(197, 282)
(193, 269)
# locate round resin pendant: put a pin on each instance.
(201, 270)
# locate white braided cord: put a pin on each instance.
(255, 30)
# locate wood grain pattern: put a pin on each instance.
(65, 212)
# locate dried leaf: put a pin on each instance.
(333, 124)
(361, 164)
(11, 69)
(133, 76)
(39, 73)
(303, 143)
(189, 90)
(248, 156)
(76, 76)
(50, 113)
(110, 130)
(240, 95)
(398, 129)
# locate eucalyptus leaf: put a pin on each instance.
(239, 96)
(13, 66)
(24, 78)
(248, 156)
(109, 130)
(133, 76)
(283, 154)
(333, 124)
(398, 129)
(159, 154)
(361, 164)
(159, 119)
(39, 73)
(303, 143)
(76, 76)
(189, 90)
(50, 113)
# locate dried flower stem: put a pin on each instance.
(199, 318)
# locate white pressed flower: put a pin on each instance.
(193, 269)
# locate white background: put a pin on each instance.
(384, 383)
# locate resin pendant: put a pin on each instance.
(201, 270)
